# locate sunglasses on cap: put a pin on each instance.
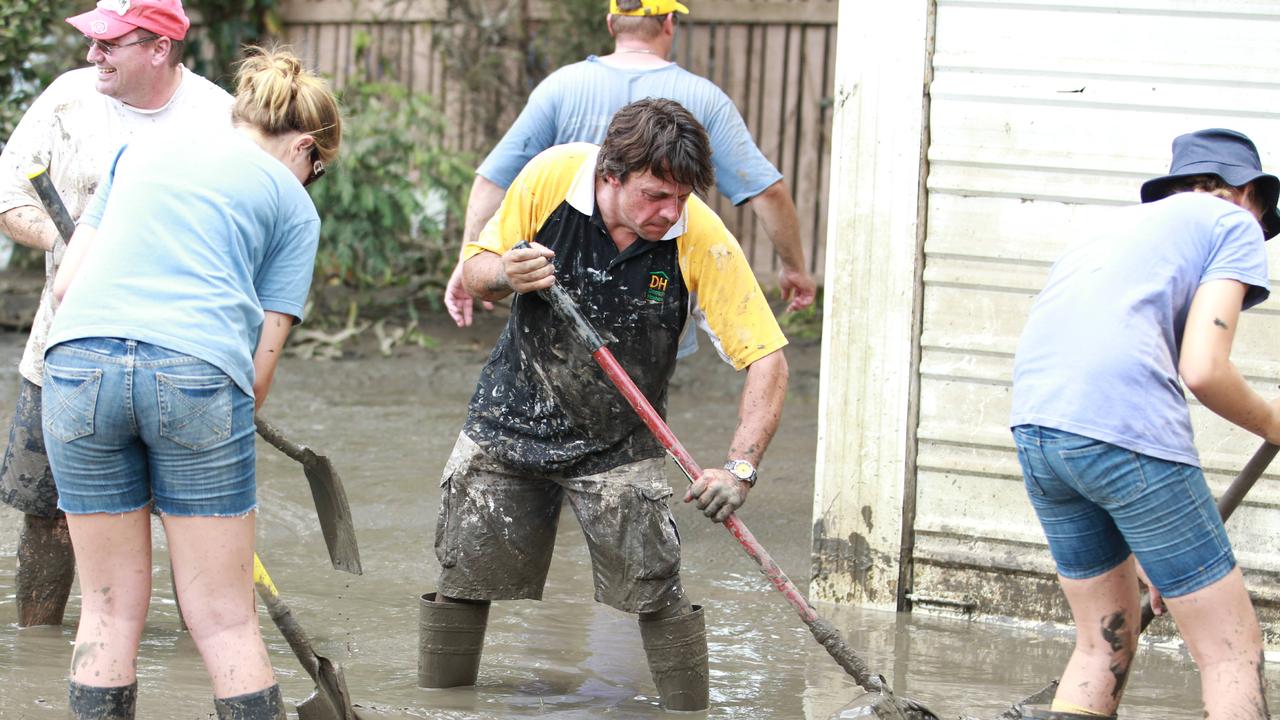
(107, 48)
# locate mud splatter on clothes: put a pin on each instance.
(542, 404)
(75, 131)
(26, 481)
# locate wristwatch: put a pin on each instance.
(743, 470)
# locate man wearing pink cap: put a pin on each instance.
(136, 84)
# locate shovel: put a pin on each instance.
(330, 701)
(327, 492)
(1227, 504)
(52, 202)
(881, 701)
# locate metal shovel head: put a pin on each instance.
(884, 705)
(315, 707)
(330, 701)
(333, 511)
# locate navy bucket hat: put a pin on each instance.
(1228, 154)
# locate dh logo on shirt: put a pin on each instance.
(657, 287)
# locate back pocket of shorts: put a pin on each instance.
(70, 398)
(1104, 473)
(195, 412)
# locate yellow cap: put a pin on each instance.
(650, 7)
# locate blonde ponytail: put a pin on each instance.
(276, 94)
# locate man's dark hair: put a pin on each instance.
(659, 136)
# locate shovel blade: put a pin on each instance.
(315, 707)
(334, 513)
(884, 705)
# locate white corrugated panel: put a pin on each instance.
(1042, 113)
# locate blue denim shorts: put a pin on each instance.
(127, 423)
(1098, 503)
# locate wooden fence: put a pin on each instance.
(774, 58)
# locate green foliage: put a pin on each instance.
(499, 53)
(391, 201)
(804, 325)
(35, 47)
(575, 30)
(225, 27)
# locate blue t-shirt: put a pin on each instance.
(1099, 355)
(576, 103)
(196, 237)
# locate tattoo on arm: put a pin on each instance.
(1220, 324)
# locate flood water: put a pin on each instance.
(389, 423)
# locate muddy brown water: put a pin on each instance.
(389, 423)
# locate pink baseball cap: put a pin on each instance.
(113, 18)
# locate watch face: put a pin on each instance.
(742, 470)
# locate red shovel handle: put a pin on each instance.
(565, 306)
(822, 631)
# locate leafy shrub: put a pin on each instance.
(226, 26)
(35, 47)
(391, 204)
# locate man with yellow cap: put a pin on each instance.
(136, 84)
(575, 104)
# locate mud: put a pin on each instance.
(45, 570)
(389, 424)
(108, 703)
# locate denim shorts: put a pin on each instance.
(127, 423)
(1098, 503)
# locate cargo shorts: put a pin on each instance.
(497, 530)
(26, 481)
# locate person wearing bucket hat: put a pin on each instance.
(575, 104)
(1230, 156)
(136, 86)
(1147, 304)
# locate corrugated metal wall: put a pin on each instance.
(1042, 113)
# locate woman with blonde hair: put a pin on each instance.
(179, 288)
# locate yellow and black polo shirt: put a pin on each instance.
(542, 404)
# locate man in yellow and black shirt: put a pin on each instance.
(618, 227)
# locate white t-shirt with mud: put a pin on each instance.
(75, 131)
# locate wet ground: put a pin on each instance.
(388, 424)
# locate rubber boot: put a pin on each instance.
(266, 704)
(677, 652)
(88, 702)
(1042, 713)
(450, 640)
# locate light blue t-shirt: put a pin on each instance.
(1099, 355)
(197, 236)
(576, 103)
